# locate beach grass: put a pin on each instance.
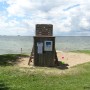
(16, 78)
(82, 51)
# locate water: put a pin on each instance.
(13, 44)
(70, 43)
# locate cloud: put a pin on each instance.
(84, 23)
(68, 17)
(71, 7)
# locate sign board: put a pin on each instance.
(40, 47)
(48, 46)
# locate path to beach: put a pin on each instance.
(72, 59)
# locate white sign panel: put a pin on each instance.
(48, 46)
(40, 48)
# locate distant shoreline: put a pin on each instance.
(34, 35)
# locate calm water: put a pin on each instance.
(13, 44)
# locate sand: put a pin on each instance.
(73, 59)
(70, 58)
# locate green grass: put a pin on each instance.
(82, 51)
(40, 78)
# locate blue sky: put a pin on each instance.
(69, 17)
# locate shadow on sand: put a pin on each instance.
(10, 59)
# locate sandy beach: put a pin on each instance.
(73, 59)
(70, 58)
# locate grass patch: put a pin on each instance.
(10, 59)
(82, 51)
(37, 78)
(15, 78)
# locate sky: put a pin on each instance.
(69, 17)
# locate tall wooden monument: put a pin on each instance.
(43, 52)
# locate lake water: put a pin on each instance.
(13, 44)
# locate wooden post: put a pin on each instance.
(21, 51)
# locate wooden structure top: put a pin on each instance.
(44, 30)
